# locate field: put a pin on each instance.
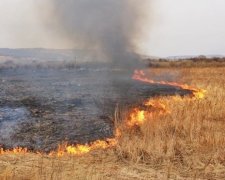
(186, 143)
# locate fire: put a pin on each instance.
(17, 150)
(141, 114)
(196, 93)
(68, 149)
(84, 149)
(199, 94)
(137, 117)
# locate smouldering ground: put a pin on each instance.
(187, 143)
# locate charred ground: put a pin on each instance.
(74, 105)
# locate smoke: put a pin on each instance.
(112, 28)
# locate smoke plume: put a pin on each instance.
(110, 27)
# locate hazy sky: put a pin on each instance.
(177, 27)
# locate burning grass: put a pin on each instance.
(166, 137)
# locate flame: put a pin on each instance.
(199, 94)
(68, 149)
(196, 93)
(17, 150)
(84, 149)
(137, 117)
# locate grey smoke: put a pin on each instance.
(110, 27)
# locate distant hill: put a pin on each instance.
(191, 57)
(27, 55)
(43, 54)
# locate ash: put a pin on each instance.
(43, 107)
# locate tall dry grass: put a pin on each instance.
(187, 143)
(190, 141)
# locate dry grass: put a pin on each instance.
(187, 63)
(188, 143)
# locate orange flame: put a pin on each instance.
(196, 93)
(68, 149)
(84, 149)
(138, 116)
(17, 150)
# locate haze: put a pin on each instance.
(177, 27)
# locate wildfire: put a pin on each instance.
(17, 150)
(84, 149)
(141, 114)
(69, 149)
(196, 93)
(137, 117)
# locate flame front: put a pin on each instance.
(196, 93)
(145, 112)
(137, 117)
(17, 150)
(84, 149)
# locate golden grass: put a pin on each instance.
(187, 63)
(188, 143)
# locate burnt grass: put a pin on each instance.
(66, 105)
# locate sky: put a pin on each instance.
(176, 28)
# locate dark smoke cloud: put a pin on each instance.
(111, 27)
